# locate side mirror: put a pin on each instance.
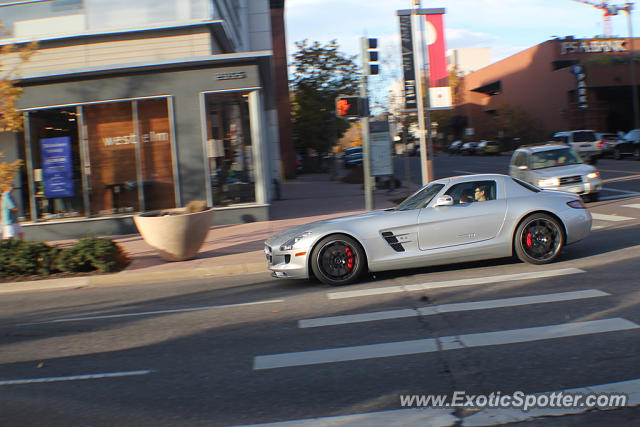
(444, 201)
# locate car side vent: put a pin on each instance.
(392, 241)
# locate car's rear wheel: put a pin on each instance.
(591, 197)
(636, 153)
(538, 239)
(617, 154)
(337, 260)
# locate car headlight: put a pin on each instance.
(289, 244)
(548, 182)
(594, 175)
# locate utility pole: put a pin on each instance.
(634, 86)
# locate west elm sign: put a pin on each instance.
(593, 46)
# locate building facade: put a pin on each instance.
(137, 105)
(561, 84)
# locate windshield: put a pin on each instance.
(421, 198)
(585, 136)
(551, 158)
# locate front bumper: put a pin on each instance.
(587, 187)
(287, 264)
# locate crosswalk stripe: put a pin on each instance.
(634, 205)
(430, 345)
(452, 283)
(428, 416)
(450, 308)
(603, 217)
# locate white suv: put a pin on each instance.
(556, 167)
(585, 142)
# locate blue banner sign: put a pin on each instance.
(57, 168)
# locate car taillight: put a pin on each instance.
(576, 204)
(600, 144)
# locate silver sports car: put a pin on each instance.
(458, 219)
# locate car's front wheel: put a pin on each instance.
(337, 260)
(538, 239)
(636, 153)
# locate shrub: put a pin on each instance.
(91, 253)
(19, 258)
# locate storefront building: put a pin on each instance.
(563, 84)
(122, 121)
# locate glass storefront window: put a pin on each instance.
(229, 149)
(112, 155)
(156, 155)
(128, 158)
(55, 154)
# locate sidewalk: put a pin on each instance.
(232, 249)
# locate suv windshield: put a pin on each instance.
(421, 198)
(584, 136)
(551, 158)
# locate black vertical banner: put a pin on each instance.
(406, 42)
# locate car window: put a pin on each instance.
(584, 136)
(421, 198)
(551, 158)
(520, 159)
(474, 191)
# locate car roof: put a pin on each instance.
(472, 177)
(542, 147)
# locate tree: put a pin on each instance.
(11, 59)
(321, 74)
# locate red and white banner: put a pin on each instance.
(440, 92)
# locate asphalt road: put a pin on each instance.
(254, 349)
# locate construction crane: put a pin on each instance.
(608, 10)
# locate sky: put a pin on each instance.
(505, 26)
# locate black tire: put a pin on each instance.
(617, 154)
(337, 260)
(636, 153)
(538, 239)
(592, 197)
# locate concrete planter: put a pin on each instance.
(177, 236)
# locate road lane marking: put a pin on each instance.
(420, 417)
(634, 205)
(75, 377)
(431, 345)
(450, 308)
(615, 218)
(452, 283)
(177, 310)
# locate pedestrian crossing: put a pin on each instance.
(601, 221)
(482, 336)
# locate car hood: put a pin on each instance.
(319, 226)
(560, 171)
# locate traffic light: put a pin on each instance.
(371, 62)
(348, 106)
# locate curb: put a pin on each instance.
(124, 278)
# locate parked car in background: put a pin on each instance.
(469, 148)
(488, 147)
(629, 145)
(584, 142)
(556, 167)
(352, 156)
(607, 143)
(455, 147)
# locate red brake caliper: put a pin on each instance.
(528, 240)
(349, 259)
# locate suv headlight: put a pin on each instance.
(548, 182)
(593, 175)
(289, 244)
